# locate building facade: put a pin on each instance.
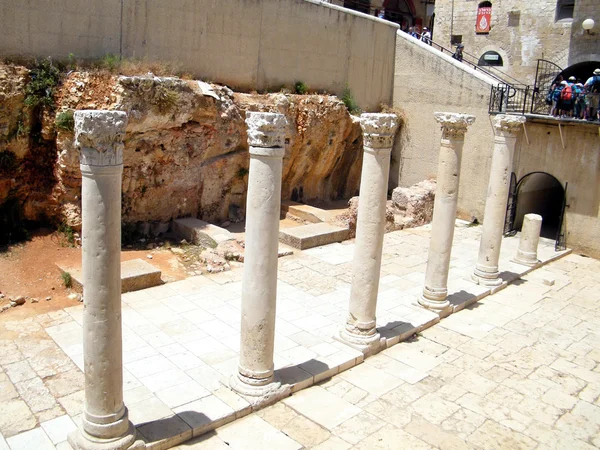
(513, 35)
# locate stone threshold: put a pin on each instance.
(209, 413)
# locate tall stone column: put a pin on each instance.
(266, 132)
(104, 423)
(506, 129)
(378, 137)
(454, 127)
(530, 238)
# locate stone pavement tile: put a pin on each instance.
(538, 410)
(396, 368)
(322, 407)
(404, 395)
(148, 410)
(591, 394)
(389, 413)
(466, 326)
(358, 427)
(73, 403)
(208, 377)
(19, 371)
(434, 408)
(333, 443)
(463, 422)
(65, 383)
(36, 394)
(278, 415)
(505, 396)
(404, 353)
(561, 365)
(163, 432)
(165, 379)
(7, 389)
(476, 348)
(582, 422)
(149, 366)
(252, 432)
(57, 429)
(446, 372)
(204, 413)
(434, 435)
(15, 417)
(136, 395)
(492, 435)
(239, 404)
(3, 444)
(208, 441)
(32, 439)
(370, 379)
(181, 393)
(305, 432)
(559, 399)
(389, 438)
(49, 414)
(474, 383)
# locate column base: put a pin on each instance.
(434, 298)
(526, 259)
(486, 278)
(81, 440)
(258, 392)
(366, 344)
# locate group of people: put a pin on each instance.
(573, 99)
(425, 36)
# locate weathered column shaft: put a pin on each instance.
(378, 136)
(105, 423)
(530, 238)
(266, 133)
(454, 127)
(506, 129)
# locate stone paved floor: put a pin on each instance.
(181, 342)
(527, 376)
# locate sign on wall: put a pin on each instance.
(484, 18)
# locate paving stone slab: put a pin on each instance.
(313, 235)
(200, 232)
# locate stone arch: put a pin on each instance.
(582, 70)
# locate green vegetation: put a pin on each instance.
(110, 62)
(68, 234)
(300, 88)
(165, 98)
(65, 121)
(350, 102)
(242, 172)
(44, 77)
(67, 279)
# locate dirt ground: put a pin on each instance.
(29, 269)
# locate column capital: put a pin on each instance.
(507, 123)
(378, 129)
(99, 137)
(454, 125)
(265, 129)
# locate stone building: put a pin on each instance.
(513, 35)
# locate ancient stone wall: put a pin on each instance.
(244, 44)
(521, 32)
(185, 150)
(585, 46)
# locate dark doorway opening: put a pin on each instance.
(539, 193)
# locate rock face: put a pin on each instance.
(185, 150)
(409, 207)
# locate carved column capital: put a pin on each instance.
(265, 130)
(509, 124)
(454, 125)
(378, 130)
(99, 137)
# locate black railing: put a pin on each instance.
(506, 98)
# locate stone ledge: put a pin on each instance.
(313, 235)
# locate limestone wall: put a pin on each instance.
(247, 44)
(578, 164)
(521, 32)
(427, 81)
(585, 46)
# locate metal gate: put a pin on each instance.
(511, 206)
(545, 75)
(561, 236)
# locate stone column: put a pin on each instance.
(454, 127)
(506, 128)
(530, 237)
(104, 422)
(266, 132)
(378, 137)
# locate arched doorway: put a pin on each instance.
(581, 71)
(400, 11)
(538, 193)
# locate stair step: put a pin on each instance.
(200, 232)
(304, 212)
(313, 235)
(136, 274)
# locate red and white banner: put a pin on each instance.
(484, 18)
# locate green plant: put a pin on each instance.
(242, 172)
(110, 62)
(300, 88)
(71, 61)
(165, 98)
(67, 279)
(22, 129)
(350, 102)
(44, 78)
(65, 121)
(68, 233)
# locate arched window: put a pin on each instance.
(490, 58)
(484, 17)
(564, 9)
